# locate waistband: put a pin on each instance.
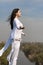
(17, 39)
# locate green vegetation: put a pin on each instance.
(3, 59)
(34, 52)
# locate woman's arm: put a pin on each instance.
(23, 33)
(19, 25)
(22, 27)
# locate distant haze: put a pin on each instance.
(33, 30)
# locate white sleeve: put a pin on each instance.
(19, 24)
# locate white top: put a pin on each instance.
(16, 32)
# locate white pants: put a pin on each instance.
(14, 53)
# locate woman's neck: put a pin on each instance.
(17, 17)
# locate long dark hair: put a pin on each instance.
(12, 16)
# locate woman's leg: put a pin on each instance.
(8, 43)
(14, 57)
(9, 56)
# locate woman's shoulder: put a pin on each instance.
(16, 20)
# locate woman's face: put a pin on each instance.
(18, 14)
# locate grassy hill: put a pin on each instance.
(3, 59)
(33, 51)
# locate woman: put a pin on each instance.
(15, 36)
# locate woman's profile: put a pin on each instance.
(14, 38)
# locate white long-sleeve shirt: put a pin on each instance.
(16, 32)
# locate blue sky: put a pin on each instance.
(30, 8)
(32, 18)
